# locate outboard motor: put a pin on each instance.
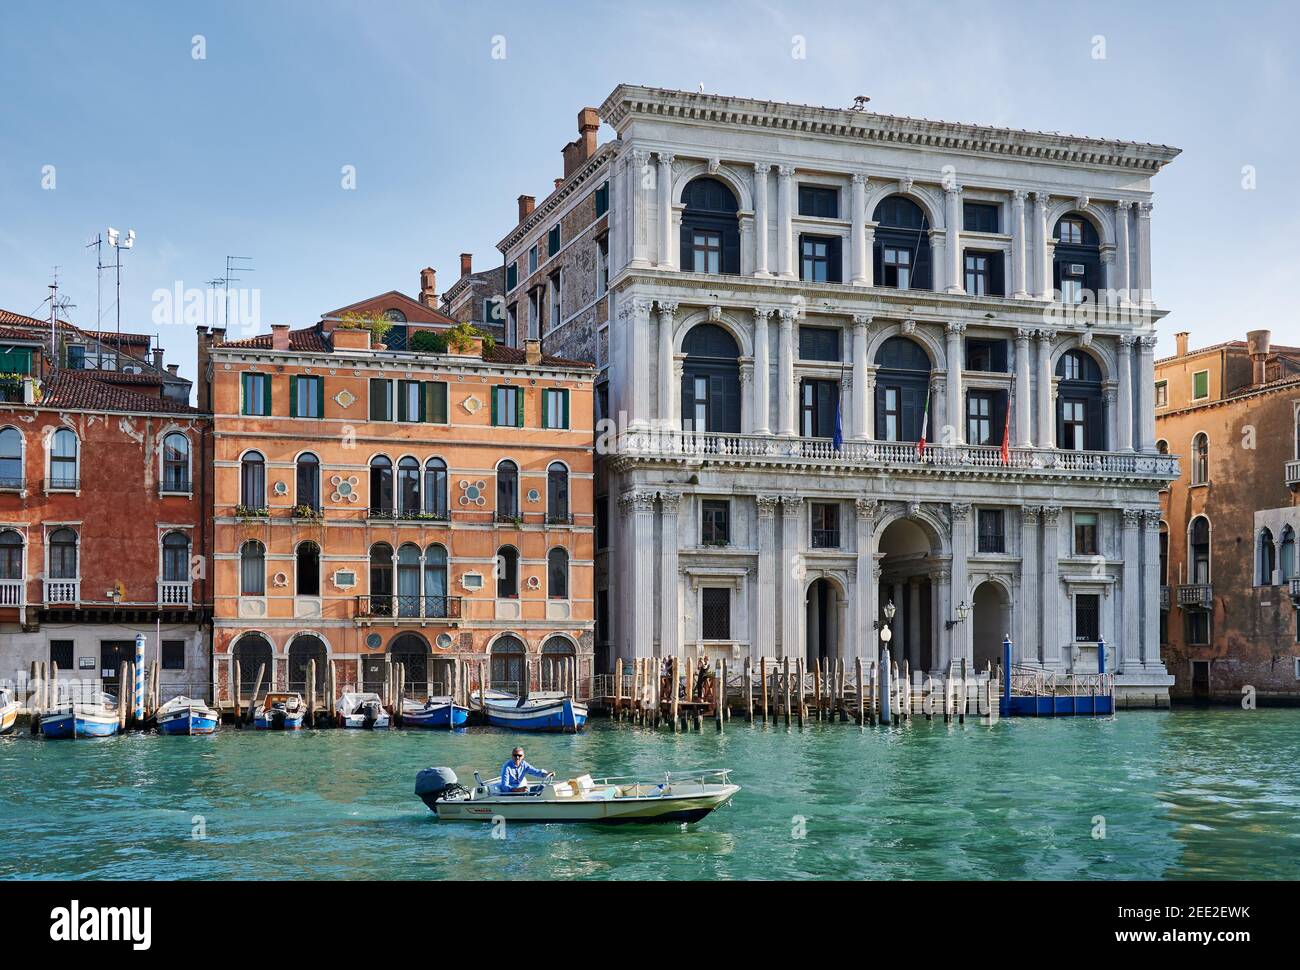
(370, 713)
(433, 784)
(275, 717)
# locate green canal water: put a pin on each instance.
(1184, 795)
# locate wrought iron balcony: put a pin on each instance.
(1198, 596)
(392, 606)
(174, 486)
(1164, 598)
(507, 516)
(62, 484)
(559, 518)
(1292, 475)
(825, 538)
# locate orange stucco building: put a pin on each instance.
(432, 506)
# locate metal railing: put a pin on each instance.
(174, 486)
(1295, 590)
(825, 538)
(1199, 595)
(414, 607)
(1164, 597)
(14, 484)
(62, 484)
(559, 518)
(509, 516)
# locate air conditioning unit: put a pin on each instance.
(1077, 269)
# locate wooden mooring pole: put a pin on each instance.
(676, 663)
(257, 685)
(749, 690)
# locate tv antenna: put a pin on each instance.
(59, 305)
(234, 265)
(119, 242)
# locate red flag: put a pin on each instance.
(925, 426)
(1006, 437)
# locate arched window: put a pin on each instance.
(902, 390)
(63, 460)
(308, 482)
(11, 558)
(1080, 405)
(507, 572)
(252, 569)
(412, 651)
(1264, 556)
(381, 486)
(557, 494)
(305, 648)
(63, 554)
(507, 665)
(253, 653)
(408, 486)
(557, 655)
(1199, 543)
(408, 580)
(176, 557)
(308, 569)
(1076, 260)
(711, 380)
(11, 458)
(1290, 569)
(252, 481)
(176, 463)
(1200, 459)
(902, 245)
(1162, 447)
(557, 574)
(710, 237)
(435, 581)
(435, 488)
(507, 491)
(381, 579)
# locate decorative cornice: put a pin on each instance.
(553, 201)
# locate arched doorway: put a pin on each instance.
(557, 652)
(910, 571)
(507, 666)
(711, 380)
(305, 648)
(990, 622)
(424, 675)
(824, 621)
(253, 651)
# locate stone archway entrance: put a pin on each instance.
(305, 648)
(426, 675)
(911, 576)
(990, 622)
(824, 617)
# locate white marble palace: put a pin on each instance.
(800, 297)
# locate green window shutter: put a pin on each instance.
(320, 397)
(266, 393)
(424, 402)
(546, 408)
(565, 403)
(519, 408)
(435, 399)
(243, 393)
(496, 393)
(293, 396)
(401, 402)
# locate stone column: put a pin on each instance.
(1018, 248)
(668, 392)
(1042, 249)
(785, 222)
(1125, 441)
(669, 606)
(747, 398)
(1147, 394)
(942, 603)
(762, 373)
(765, 618)
(952, 392)
(1024, 419)
(1125, 282)
(1129, 648)
(858, 215)
(913, 624)
(861, 325)
(762, 265)
(785, 388)
(960, 551)
(1150, 640)
(636, 178)
(1144, 253)
(865, 593)
(1051, 598)
(639, 506)
(952, 218)
(666, 260)
(792, 575)
(1046, 397)
(640, 370)
(1030, 598)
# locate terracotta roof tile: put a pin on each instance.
(68, 389)
(307, 340)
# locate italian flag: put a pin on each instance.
(925, 426)
(1006, 437)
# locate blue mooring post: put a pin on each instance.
(1006, 676)
(1101, 656)
(884, 686)
(138, 706)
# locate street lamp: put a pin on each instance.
(963, 611)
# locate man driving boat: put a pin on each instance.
(515, 772)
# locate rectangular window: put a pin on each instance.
(977, 274)
(1085, 533)
(381, 399)
(979, 418)
(819, 402)
(602, 199)
(512, 276)
(508, 407)
(1074, 425)
(435, 402)
(820, 259)
(532, 260)
(715, 522)
(173, 654)
(893, 413)
(716, 613)
(819, 201)
(1070, 232)
(61, 654)
(553, 241)
(979, 217)
(991, 532)
(706, 251)
(898, 268)
(491, 310)
(825, 525)
(534, 313)
(1198, 627)
(602, 265)
(1072, 282)
(1087, 618)
(1200, 385)
(555, 408)
(256, 394)
(555, 300)
(819, 343)
(1162, 393)
(512, 325)
(986, 356)
(602, 521)
(306, 396)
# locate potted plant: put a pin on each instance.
(374, 322)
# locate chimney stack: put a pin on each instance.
(532, 351)
(1259, 344)
(526, 203)
(279, 336)
(429, 287)
(158, 358)
(173, 369)
(584, 146)
(1180, 341)
(466, 264)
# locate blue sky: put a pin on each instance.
(241, 152)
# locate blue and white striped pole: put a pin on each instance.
(139, 678)
(1006, 675)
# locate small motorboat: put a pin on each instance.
(668, 798)
(539, 711)
(280, 712)
(184, 715)
(361, 711)
(94, 716)
(8, 710)
(436, 712)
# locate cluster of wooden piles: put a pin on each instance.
(44, 696)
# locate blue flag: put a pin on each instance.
(837, 440)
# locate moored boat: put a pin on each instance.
(8, 710)
(280, 712)
(686, 797)
(92, 717)
(436, 712)
(361, 710)
(184, 715)
(544, 711)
